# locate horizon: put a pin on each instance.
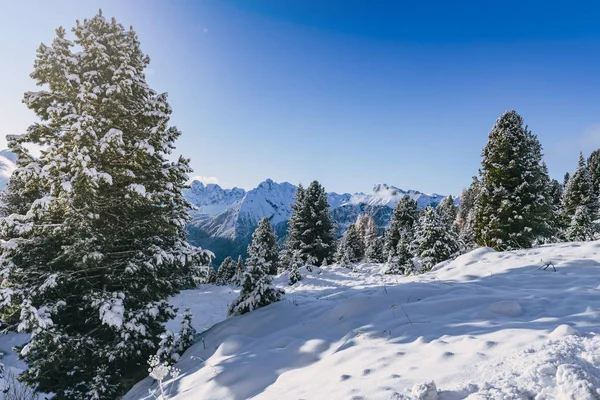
(345, 93)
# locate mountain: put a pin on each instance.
(224, 219)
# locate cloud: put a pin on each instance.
(205, 179)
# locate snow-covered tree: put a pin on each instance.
(350, 247)
(401, 262)
(257, 291)
(513, 206)
(593, 164)
(465, 218)
(402, 224)
(447, 212)
(310, 229)
(374, 252)
(368, 230)
(580, 204)
(263, 250)
(433, 243)
(296, 263)
(566, 180)
(238, 277)
(581, 227)
(579, 190)
(187, 332)
(226, 271)
(87, 270)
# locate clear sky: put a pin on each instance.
(350, 93)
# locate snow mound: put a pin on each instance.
(488, 325)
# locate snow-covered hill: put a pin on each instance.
(486, 326)
(225, 218)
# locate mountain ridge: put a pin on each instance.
(223, 219)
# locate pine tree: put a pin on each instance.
(447, 212)
(350, 248)
(401, 262)
(226, 271)
(310, 229)
(367, 229)
(263, 250)
(187, 332)
(594, 169)
(402, 223)
(294, 268)
(465, 218)
(374, 252)
(581, 227)
(433, 243)
(257, 291)
(238, 277)
(513, 208)
(566, 180)
(90, 265)
(580, 204)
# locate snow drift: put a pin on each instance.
(486, 326)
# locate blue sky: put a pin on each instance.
(351, 93)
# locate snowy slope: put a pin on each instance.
(225, 218)
(486, 326)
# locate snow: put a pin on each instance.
(488, 325)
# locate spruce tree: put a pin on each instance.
(263, 250)
(350, 247)
(401, 262)
(295, 264)
(433, 243)
(367, 229)
(226, 272)
(465, 218)
(90, 265)
(447, 212)
(310, 229)
(257, 291)
(580, 204)
(238, 277)
(566, 180)
(374, 252)
(594, 169)
(513, 207)
(402, 223)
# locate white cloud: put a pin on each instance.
(205, 179)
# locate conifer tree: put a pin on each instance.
(238, 277)
(594, 170)
(263, 250)
(433, 243)
(310, 229)
(226, 272)
(374, 252)
(294, 268)
(402, 223)
(566, 180)
(447, 212)
(401, 262)
(367, 229)
(513, 207)
(580, 204)
(88, 268)
(257, 291)
(465, 217)
(350, 248)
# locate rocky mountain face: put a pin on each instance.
(224, 219)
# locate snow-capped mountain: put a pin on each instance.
(224, 219)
